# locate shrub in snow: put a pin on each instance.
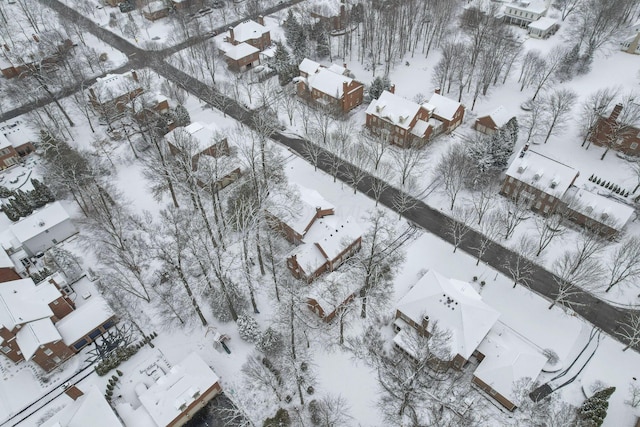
(270, 342)
(379, 85)
(280, 419)
(314, 412)
(594, 410)
(248, 328)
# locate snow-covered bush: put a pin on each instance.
(248, 328)
(270, 342)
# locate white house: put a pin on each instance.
(524, 12)
(543, 27)
(43, 228)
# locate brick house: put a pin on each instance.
(156, 10)
(333, 13)
(405, 123)
(492, 122)
(148, 105)
(242, 56)
(293, 220)
(329, 86)
(448, 112)
(177, 395)
(250, 32)
(8, 271)
(617, 132)
(327, 244)
(26, 53)
(32, 320)
(538, 180)
(187, 4)
(330, 294)
(87, 408)
(455, 306)
(600, 214)
(112, 93)
(16, 141)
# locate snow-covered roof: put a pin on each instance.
(182, 385)
(509, 359)
(90, 409)
(442, 106)
(327, 236)
(326, 8)
(17, 133)
(338, 69)
(156, 6)
(112, 86)
(326, 81)
(204, 134)
(84, 319)
(299, 217)
(599, 208)
(420, 128)
(500, 116)
(308, 66)
(542, 172)
(19, 303)
(454, 305)
(543, 24)
(248, 30)
(533, 6)
(34, 334)
(5, 260)
(395, 109)
(39, 221)
(331, 290)
(4, 142)
(240, 51)
(47, 292)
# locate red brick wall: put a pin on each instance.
(48, 362)
(8, 274)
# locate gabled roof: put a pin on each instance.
(34, 334)
(328, 82)
(180, 386)
(299, 217)
(19, 303)
(204, 134)
(500, 116)
(17, 133)
(395, 109)
(509, 359)
(90, 409)
(599, 208)
(112, 86)
(240, 51)
(455, 306)
(542, 172)
(543, 24)
(39, 221)
(5, 259)
(84, 319)
(308, 66)
(533, 6)
(248, 30)
(442, 106)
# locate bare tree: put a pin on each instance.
(593, 108)
(313, 153)
(459, 224)
(514, 213)
(483, 198)
(356, 156)
(408, 161)
(573, 279)
(614, 131)
(548, 229)
(566, 7)
(453, 170)
(534, 121)
(595, 23)
(520, 266)
(380, 185)
(634, 395)
(489, 232)
(630, 330)
(624, 262)
(544, 75)
(560, 102)
(333, 410)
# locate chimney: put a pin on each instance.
(261, 20)
(134, 75)
(72, 391)
(425, 323)
(6, 47)
(345, 88)
(35, 38)
(616, 112)
(392, 88)
(344, 65)
(437, 91)
(231, 39)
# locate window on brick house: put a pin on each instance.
(48, 352)
(6, 349)
(633, 145)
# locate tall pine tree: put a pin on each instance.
(594, 410)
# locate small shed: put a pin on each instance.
(492, 122)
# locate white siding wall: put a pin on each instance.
(44, 240)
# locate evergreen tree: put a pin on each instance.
(181, 116)
(594, 410)
(248, 328)
(296, 38)
(41, 194)
(5, 192)
(10, 211)
(20, 206)
(379, 85)
(322, 45)
(283, 65)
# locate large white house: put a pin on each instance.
(43, 228)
